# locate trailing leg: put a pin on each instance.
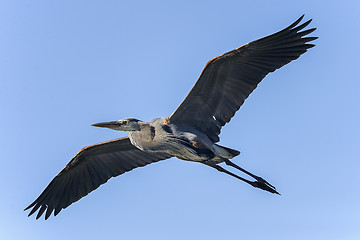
(258, 184)
(259, 179)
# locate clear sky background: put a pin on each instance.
(67, 64)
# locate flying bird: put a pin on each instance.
(190, 133)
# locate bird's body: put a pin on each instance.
(178, 140)
(190, 133)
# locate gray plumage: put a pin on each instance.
(190, 133)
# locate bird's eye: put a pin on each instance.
(126, 122)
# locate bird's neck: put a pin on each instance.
(143, 125)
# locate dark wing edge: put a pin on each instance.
(227, 80)
(89, 168)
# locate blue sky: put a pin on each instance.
(68, 64)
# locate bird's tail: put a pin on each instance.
(225, 152)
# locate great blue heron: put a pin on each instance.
(190, 132)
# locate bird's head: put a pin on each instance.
(127, 124)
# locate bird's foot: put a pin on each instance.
(264, 185)
(261, 180)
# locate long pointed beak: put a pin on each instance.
(111, 125)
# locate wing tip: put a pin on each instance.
(27, 208)
(41, 211)
(310, 45)
(296, 22)
(294, 25)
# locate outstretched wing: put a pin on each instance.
(228, 79)
(91, 167)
